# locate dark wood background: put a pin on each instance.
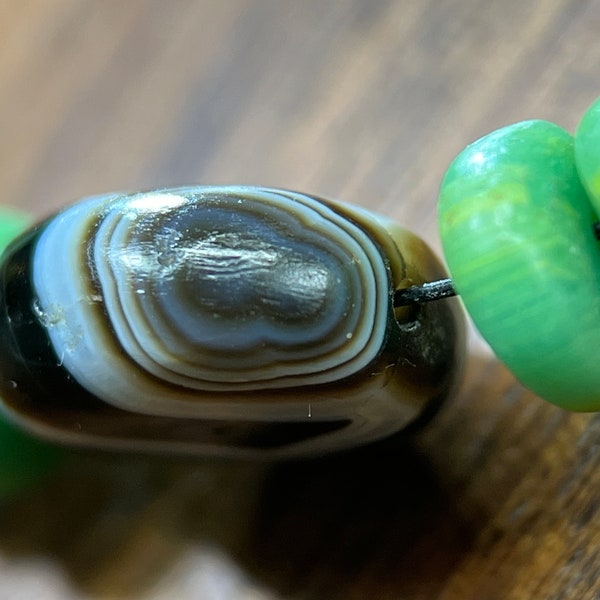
(364, 100)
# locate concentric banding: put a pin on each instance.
(173, 292)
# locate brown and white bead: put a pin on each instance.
(221, 320)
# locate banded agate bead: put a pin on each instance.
(516, 228)
(221, 320)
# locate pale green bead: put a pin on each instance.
(12, 224)
(516, 227)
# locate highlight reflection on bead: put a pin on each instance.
(220, 319)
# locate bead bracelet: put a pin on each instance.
(265, 322)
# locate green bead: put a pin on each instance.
(23, 459)
(516, 228)
(12, 224)
(587, 153)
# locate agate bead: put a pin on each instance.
(516, 228)
(221, 320)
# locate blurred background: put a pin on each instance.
(363, 100)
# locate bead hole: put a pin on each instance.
(407, 315)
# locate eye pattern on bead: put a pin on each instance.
(221, 319)
(241, 320)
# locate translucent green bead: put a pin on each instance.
(23, 460)
(516, 227)
(587, 153)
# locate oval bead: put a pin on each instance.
(516, 228)
(220, 320)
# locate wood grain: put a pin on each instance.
(366, 101)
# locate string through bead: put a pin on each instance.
(443, 288)
(427, 292)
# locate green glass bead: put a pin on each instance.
(12, 224)
(587, 153)
(23, 459)
(516, 228)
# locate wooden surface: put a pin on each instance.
(364, 100)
